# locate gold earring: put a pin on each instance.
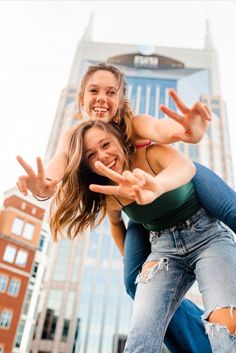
(78, 115)
(116, 119)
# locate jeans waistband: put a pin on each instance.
(183, 225)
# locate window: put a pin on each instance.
(3, 283)
(41, 242)
(14, 287)
(17, 226)
(35, 269)
(27, 301)
(9, 254)
(21, 258)
(28, 231)
(5, 318)
(19, 333)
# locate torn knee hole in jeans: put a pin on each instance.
(150, 268)
(218, 323)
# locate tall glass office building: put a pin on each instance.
(84, 307)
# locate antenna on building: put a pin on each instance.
(208, 38)
(87, 36)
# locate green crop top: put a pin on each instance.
(168, 210)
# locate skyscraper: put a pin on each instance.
(84, 307)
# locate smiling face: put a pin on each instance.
(101, 146)
(101, 98)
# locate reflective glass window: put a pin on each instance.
(9, 254)
(68, 315)
(3, 283)
(52, 313)
(5, 318)
(14, 287)
(19, 333)
(35, 269)
(63, 258)
(28, 231)
(17, 226)
(21, 258)
(27, 301)
(41, 242)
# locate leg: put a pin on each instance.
(161, 286)
(185, 332)
(215, 271)
(136, 250)
(208, 187)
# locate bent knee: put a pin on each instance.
(225, 317)
(150, 268)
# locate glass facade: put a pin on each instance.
(52, 313)
(102, 295)
(146, 94)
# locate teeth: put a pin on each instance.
(100, 109)
(110, 165)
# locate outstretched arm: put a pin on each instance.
(189, 125)
(57, 165)
(142, 187)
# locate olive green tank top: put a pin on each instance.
(166, 211)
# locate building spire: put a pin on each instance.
(208, 43)
(87, 36)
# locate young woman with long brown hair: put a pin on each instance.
(153, 187)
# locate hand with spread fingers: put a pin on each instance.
(38, 184)
(194, 120)
(137, 185)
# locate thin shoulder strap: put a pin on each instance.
(149, 162)
(118, 200)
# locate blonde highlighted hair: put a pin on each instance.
(75, 207)
(124, 115)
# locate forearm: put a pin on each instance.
(56, 167)
(118, 231)
(156, 130)
(164, 129)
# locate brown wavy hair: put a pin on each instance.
(75, 207)
(124, 115)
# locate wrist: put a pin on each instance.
(41, 198)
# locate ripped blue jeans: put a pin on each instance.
(199, 249)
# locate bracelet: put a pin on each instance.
(41, 198)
